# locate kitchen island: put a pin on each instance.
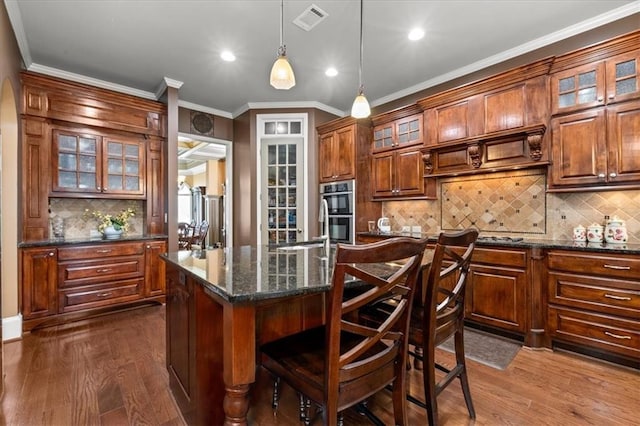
(222, 304)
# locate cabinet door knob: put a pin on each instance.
(613, 175)
(601, 175)
(51, 254)
(600, 99)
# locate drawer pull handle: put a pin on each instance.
(103, 251)
(617, 336)
(102, 271)
(621, 268)
(107, 294)
(613, 296)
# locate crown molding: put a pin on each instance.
(13, 11)
(202, 108)
(283, 105)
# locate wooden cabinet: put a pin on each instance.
(495, 124)
(80, 141)
(85, 163)
(72, 281)
(596, 147)
(99, 275)
(599, 83)
(154, 268)
(396, 160)
(398, 173)
(399, 133)
(594, 302)
(38, 267)
(595, 103)
(194, 365)
(62, 100)
(337, 150)
(497, 292)
(344, 148)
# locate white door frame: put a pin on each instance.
(260, 121)
(228, 181)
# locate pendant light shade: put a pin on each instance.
(360, 108)
(281, 73)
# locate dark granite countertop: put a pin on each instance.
(528, 242)
(247, 273)
(94, 240)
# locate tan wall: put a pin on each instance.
(10, 65)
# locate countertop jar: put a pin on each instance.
(615, 231)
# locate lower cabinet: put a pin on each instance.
(497, 289)
(63, 283)
(39, 278)
(594, 302)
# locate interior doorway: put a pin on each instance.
(205, 186)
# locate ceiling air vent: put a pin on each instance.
(311, 17)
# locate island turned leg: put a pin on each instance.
(239, 352)
(236, 405)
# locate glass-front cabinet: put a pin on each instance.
(616, 79)
(94, 164)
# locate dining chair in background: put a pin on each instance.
(344, 362)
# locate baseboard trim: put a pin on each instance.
(12, 328)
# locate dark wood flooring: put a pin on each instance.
(111, 370)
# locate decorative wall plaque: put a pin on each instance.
(201, 123)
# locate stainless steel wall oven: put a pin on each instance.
(340, 200)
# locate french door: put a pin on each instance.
(282, 189)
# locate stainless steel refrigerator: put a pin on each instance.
(214, 214)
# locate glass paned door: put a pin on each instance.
(123, 166)
(76, 169)
(282, 202)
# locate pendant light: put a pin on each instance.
(360, 108)
(281, 73)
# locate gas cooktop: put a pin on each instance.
(492, 238)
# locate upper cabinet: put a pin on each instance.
(77, 103)
(399, 133)
(86, 163)
(497, 123)
(337, 151)
(603, 82)
(396, 160)
(595, 98)
(80, 141)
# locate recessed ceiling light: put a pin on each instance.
(416, 34)
(331, 72)
(228, 56)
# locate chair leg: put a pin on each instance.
(275, 398)
(429, 379)
(464, 380)
(417, 360)
(305, 404)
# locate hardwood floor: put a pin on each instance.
(111, 371)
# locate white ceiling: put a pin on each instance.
(133, 45)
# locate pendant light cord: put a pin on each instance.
(282, 49)
(361, 50)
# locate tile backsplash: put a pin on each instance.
(78, 225)
(514, 203)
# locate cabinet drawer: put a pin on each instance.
(94, 296)
(511, 258)
(595, 264)
(82, 273)
(602, 332)
(599, 294)
(100, 251)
